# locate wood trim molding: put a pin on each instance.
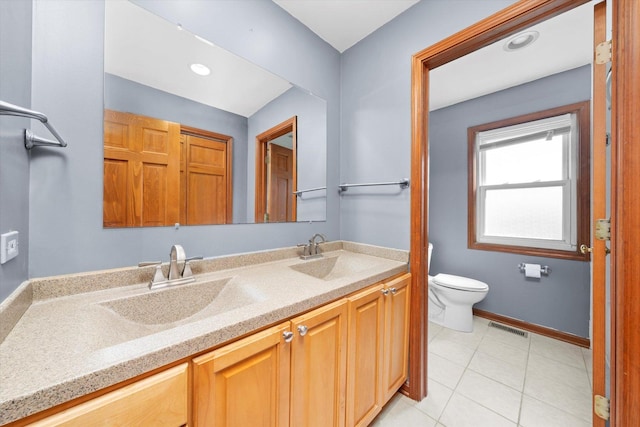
(508, 21)
(289, 125)
(583, 182)
(625, 244)
(532, 327)
(599, 210)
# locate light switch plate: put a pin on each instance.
(8, 246)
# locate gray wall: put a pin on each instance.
(15, 88)
(66, 233)
(375, 141)
(311, 154)
(560, 300)
(128, 96)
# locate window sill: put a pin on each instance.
(524, 250)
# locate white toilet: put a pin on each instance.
(451, 299)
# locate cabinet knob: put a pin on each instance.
(288, 336)
(303, 330)
(385, 291)
(393, 291)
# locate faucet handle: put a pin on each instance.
(306, 249)
(147, 263)
(158, 276)
(186, 270)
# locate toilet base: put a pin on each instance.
(458, 318)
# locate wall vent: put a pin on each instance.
(509, 329)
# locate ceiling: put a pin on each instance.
(243, 88)
(149, 50)
(343, 23)
(565, 42)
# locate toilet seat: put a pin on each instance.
(460, 283)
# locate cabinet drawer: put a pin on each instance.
(160, 400)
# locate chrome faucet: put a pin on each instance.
(315, 244)
(179, 269)
(176, 256)
(311, 250)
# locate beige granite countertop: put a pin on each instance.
(68, 336)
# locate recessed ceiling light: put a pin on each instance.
(521, 40)
(201, 70)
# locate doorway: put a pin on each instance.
(276, 175)
(502, 24)
(625, 182)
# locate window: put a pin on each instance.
(529, 183)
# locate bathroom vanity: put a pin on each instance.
(258, 339)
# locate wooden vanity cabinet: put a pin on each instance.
(378, 348)
(365, 349)
(159, 400)
(245, 383)
(396, 335)
(248, 382)
(319, 367)
(334, 366)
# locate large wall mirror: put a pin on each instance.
(196, 135)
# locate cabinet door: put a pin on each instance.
(318, 367)
(159, 400)
(396, 335)
(245, 383)
(365, 356)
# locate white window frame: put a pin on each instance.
(514, 134)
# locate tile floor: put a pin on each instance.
(493, 378)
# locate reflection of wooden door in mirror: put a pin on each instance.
(206, 178)
(141, 171)
(276, 176)
(280, 184)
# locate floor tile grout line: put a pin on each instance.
(524, 381)
(455, 390)
(483, 406)
(529, 351)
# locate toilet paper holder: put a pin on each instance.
(544, 269)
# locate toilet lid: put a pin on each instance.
(459, 282)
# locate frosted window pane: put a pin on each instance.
(534, 213)
(532, 161)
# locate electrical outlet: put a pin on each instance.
(8, 246)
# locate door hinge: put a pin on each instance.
(603, 52)
(603, 229)
(601, 406)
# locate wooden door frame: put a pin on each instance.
(262, 141)
(228, 140)
(506, 22)
(599, 210)
(625, 213)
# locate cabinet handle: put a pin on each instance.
(303, 330)
(288, 336)
(393, 291)
(385, 292)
